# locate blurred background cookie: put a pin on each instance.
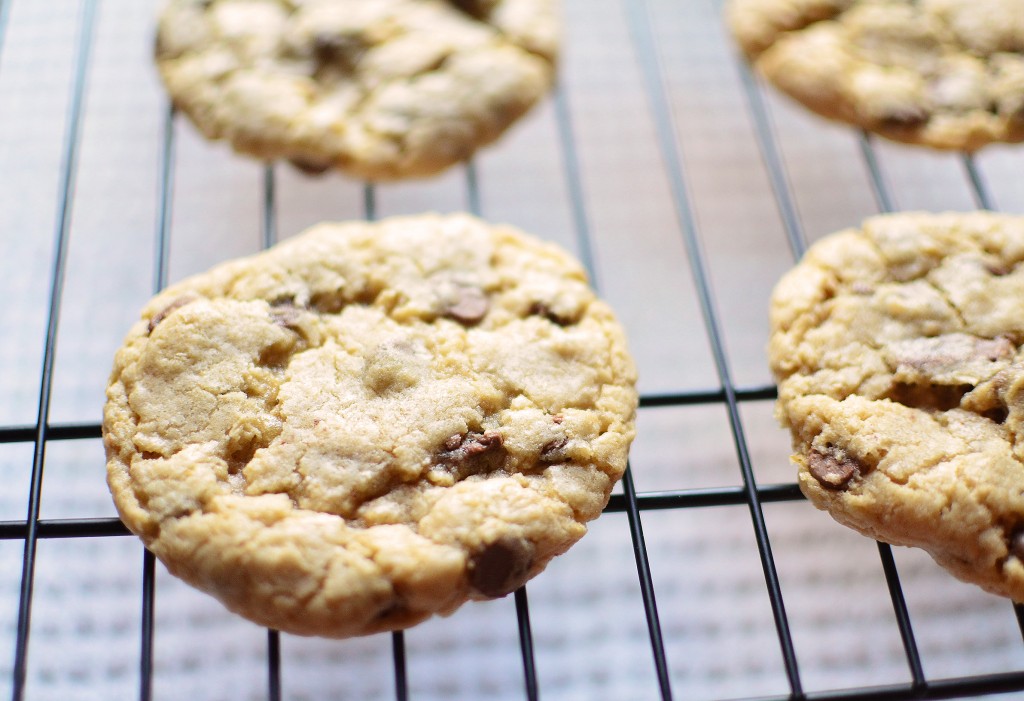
(382, 89)
(943, 73)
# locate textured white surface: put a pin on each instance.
(589, 630)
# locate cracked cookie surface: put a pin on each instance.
(382, 89)
(897, 349)
(943, 73)
(370, 423)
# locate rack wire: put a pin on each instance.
(635, 505)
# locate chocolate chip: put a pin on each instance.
(905, 116)
(997, 269)
(501, 567)
(475, 8)
(554, 451)
(310, 166)
(168, 310)
(833, 469)
(472, 454)
(481, 443)
(394, 610)
(344, 50)
(467, 6)
(469, 306)
(1016, 543)
(996, 414)
(541, 309)
(329, 301)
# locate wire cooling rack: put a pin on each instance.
(680, 182)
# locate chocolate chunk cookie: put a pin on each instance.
(944, 73)
(897, 348)
(382, 89)
(370, 424)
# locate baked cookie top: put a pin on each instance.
(944, 73)
(382, 89)
(370, 423)
(897, 348)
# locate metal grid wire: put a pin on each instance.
(729, 395)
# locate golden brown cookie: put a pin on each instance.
(382, 89)
(897, 349)
(370, 423)
(944, 73)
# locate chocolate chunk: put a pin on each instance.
(907, 115)
(832, 469)
(996, 414)
(477, 443)
(168, 310)
(998, 269)
(475, 8)
(310, 166)
(541, 309)
(469, 306)
(501, 567)
(473, 453)
(297, 319)
(343, 50)
(1016, 543)
(393, 611)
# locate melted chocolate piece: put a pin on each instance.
(168, 310)
(998, 269)
(905, 116)
(501, 567)
(475, 8)
(310, 167)
(832, 469)
(343, 50)
(472, 454)
(1016, 543)
(541, 309)
(469, 307)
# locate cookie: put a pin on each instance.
(370, 423)
(897, 349)
(943, 73)
(382, 89)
